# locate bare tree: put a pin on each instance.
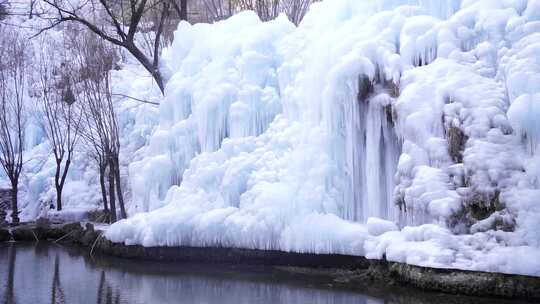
(181, 9)
(265, 9)
(12, 110)
(217, 9)
(62, 120)
(118, 21)
(295, 9)
(101, 128)
(97, 151)
(3, 9)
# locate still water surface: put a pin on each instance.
(50, 273)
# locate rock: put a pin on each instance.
(474, 283)
(365, 87)
(89, 236)
(54, 233)
(72, 232)
(89, 227)
(456, 143)
(4, 235)
(43, 222)
(104, 245)
(24, 233)
(481, 205)
(76, 226)
(98, 216)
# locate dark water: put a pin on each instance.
(50, 273)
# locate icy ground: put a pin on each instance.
(405, 130)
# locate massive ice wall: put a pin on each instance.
(417, 112)
(224, 86)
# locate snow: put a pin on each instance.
(377, 226)
(374, 128)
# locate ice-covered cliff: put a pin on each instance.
(404, 129)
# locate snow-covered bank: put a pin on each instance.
(304, 139)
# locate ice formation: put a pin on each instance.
(404, 129)
(399, 129)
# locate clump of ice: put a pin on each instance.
(377, 226)
(523, 114)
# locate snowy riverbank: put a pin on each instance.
(348, 271)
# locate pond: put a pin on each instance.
(51, 273)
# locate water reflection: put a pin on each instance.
(9, 298)
(48, 273)
(105, 292)
(57, 292)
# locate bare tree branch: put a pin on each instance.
(115, 15)
(136, 99)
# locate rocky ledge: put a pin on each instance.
(453, 281)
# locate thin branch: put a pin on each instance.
(136, 99)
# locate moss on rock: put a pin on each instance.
(456, 143)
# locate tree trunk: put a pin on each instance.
(62, 183)
(119, 187)
(57, 185)
(141, 57)
(112, 201)
(58, 198)
(183, 10)
(14, 203)
(102, 169)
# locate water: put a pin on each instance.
(50, 273)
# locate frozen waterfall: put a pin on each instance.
(371, 150)
(333, 136)
(234, 82)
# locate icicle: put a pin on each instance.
(372, 150)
